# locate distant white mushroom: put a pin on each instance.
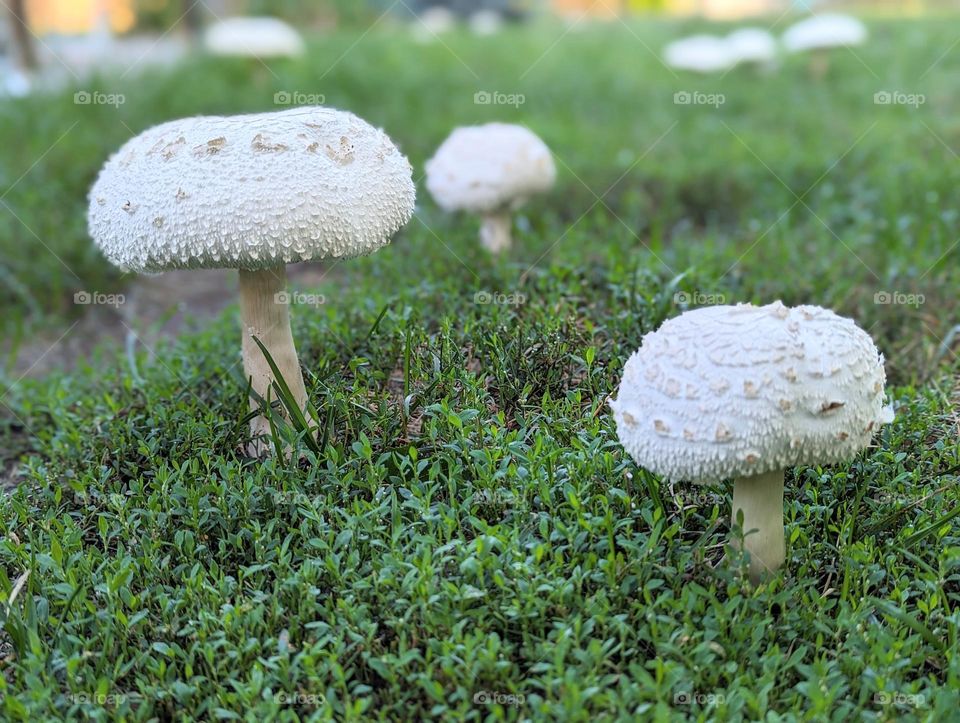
(490, 170)
(432, 22)
(255, 37)
(486, 22)
(16, 84)
(700, 54)
(254, 193)
(746, 392)
(754, 46)
(821, 33)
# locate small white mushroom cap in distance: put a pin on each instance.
(700, 54)
(486, 22)
(829, 30)
(15, 84)
(738, 391)
(255, 37)
(752, 45)
(487, 168)
(432, 22)
(250, 192)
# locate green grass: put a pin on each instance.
(472, 523)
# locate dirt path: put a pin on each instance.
(153, 309)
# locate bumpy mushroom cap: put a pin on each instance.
(482, 169)
(255, 37)
(737, 391)
(250, 192)
(752, 45)
(829, 30)
(699, 54)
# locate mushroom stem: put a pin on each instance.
(761, 499)
(264, 313)
(819, 63)
(495, 232)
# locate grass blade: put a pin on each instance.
(891, 610)
(931, 529)
(289, 402)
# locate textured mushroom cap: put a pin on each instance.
(752, 45)
(253, 37)
(487, 168)
(736, 391)
(250, 191)
(829, 30)
(700, 54)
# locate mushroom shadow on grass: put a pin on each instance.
(748, 392)
(253, 193)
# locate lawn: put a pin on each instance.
(472, 540)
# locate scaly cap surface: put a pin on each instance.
(730, 391)
(250, 191)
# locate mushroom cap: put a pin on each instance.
(433, 21)
(700, 54)
(829, 30)
(250, 192)
(255, 37)
(486, 22)
(752, 45)
(482, 169)
(737, 391)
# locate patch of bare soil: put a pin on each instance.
(152, 309)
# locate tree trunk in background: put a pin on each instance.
(21, 35)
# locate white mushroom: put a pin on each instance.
(754, 46)
(432, 22)
(490, 170)
(255, 37)
(821, 33)
(15, 84)
(746, 392)
(699, 54)
(252, 192)
(486, 22)
(829, 30)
